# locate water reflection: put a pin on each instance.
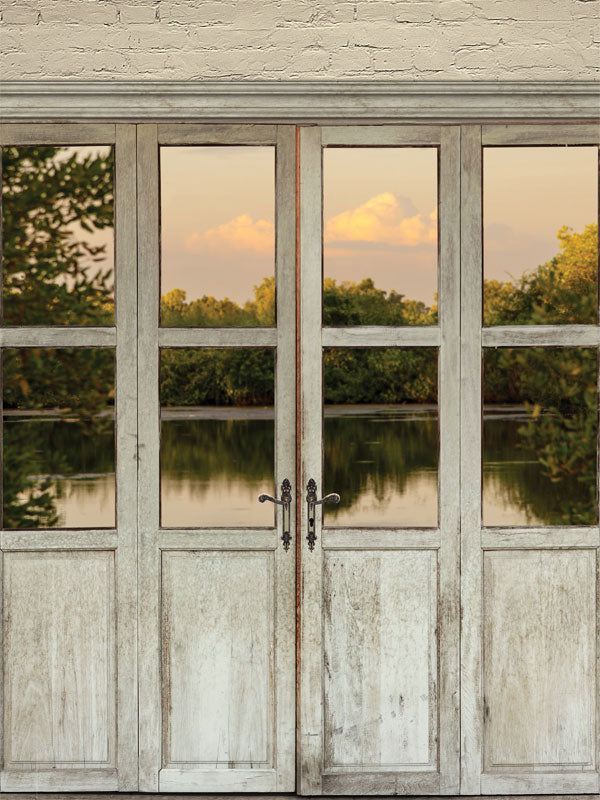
(217, 460)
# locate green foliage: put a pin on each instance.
(51, 273)
(52, 203)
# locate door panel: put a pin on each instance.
(59, 633)
(217, 646)
(539, 659)
(380, 656)
(379, 598)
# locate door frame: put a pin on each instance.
(118, 544)
(442, 776)
(157, 543)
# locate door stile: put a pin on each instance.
(148, 459)
(285, 455)
(449, 480)
(310, 745)
(126, 467)
(470, 463)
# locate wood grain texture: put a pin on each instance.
(539, 660)
(534, 538)
(57, 134)
(449, 282)
(126, 403)
(59, 661)
(148, 459)
(58, 337)
(540, 134)
(395, 539)
(285, 457)
(217, 337)
(214, 133)
(380, 661)
(381, 135)
(310, 744)
(382, 336)
(470, 458)
(541, 336)
(218, 659)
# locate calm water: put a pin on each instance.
(214, 463)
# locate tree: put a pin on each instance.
(53, 200)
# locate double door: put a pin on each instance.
(435, 631)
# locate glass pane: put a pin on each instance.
(540, 235)
(58, 235)
(380, 236)
(217, 437)
(59, 438)
(217, 236)
(540, 432)
(381, 436)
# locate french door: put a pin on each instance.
(320, 317)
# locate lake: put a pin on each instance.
(215, 461)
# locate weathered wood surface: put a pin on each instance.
(380, 656)
(540, 134)
(59, 661)
(218, 694)
(381, 135)
(470, 457)
(84, 133)
(539, 660)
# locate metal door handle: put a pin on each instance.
(285, 502)
(311, 499)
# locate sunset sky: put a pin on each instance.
(380, 207)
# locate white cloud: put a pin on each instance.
(384, 219)
(241, 233)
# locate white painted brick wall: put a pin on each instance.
(278, 39)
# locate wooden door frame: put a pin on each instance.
(444, 540)
(154, 540)
(121, 541)
(476, 539)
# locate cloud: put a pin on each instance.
(385, 219)
(241, 233)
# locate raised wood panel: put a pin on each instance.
(380, 660)
(539, 660)
(217, 655)
(59, 659)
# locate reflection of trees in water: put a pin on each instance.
(377, 454)
(203, 450)
(35, 452)
(518, 474)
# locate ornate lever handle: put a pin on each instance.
(285, 502)
(311, 499)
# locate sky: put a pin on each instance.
(380, 214)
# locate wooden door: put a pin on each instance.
(529, 578)
(68, 539)
(379, 637)
(217, 597)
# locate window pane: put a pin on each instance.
(58, 235)
(59, 438)
(540, 431)
(217, 236)
(540, 235)
(381, 436)
(217, 437)
(380, 236)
